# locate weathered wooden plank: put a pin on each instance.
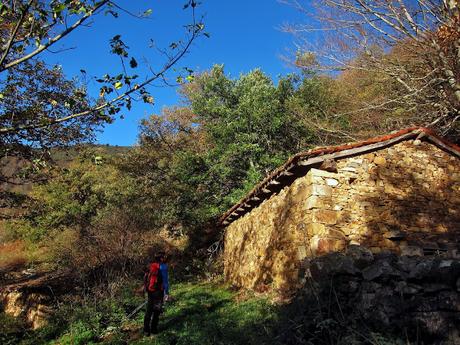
(442, 146)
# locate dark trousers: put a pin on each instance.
(154, 309)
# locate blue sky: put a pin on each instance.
(244, 35)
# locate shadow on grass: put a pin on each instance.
(207, 314)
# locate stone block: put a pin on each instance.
(318, 190)
(369, 157)
(412, 251)
(379, 270)
(332, 182)
(349, 170)
(375, 250)
(315, 229)
(325, 216)
(312, 202)
(322, 173)
(301, 252)
(315, 201)
(395, 235)
(313, 179)
(300, 196)
(324, 245)
(379, 160)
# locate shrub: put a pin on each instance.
(12, 256)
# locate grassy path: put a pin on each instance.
(208, 314)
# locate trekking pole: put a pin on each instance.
(135, 311)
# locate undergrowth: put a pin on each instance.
(200, 313)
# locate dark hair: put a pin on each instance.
(158, 256)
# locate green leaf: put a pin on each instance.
(3, 9)
(118, 85)
(147, 13)
(82, 10)
(59, 8)
(148, 99)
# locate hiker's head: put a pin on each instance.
(160, 257)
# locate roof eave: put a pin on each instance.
(289, 171)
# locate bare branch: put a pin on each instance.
(54, 39)
(15, 32)
(107, 104)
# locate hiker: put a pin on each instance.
(156, 286)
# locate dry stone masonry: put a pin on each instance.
(404, 198)
(411, 298)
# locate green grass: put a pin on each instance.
(208, 314)
(200, 313)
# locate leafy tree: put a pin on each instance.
(197, 161)
(168, 166)
(318, 103)
(40, 108)
(255, 125)
(411, 46)
(35, 93)
(90, 215)
(28, 28)
(248, 123)
(75, 196)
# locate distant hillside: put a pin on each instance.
(64, 156)
(11, 166)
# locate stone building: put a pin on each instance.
(399, 193)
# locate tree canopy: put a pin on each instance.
(42, 108)
(410, 48)
(196, 161)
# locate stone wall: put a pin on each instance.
(358, 295)
(34, 308)
(259, 247)
(405, 198)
